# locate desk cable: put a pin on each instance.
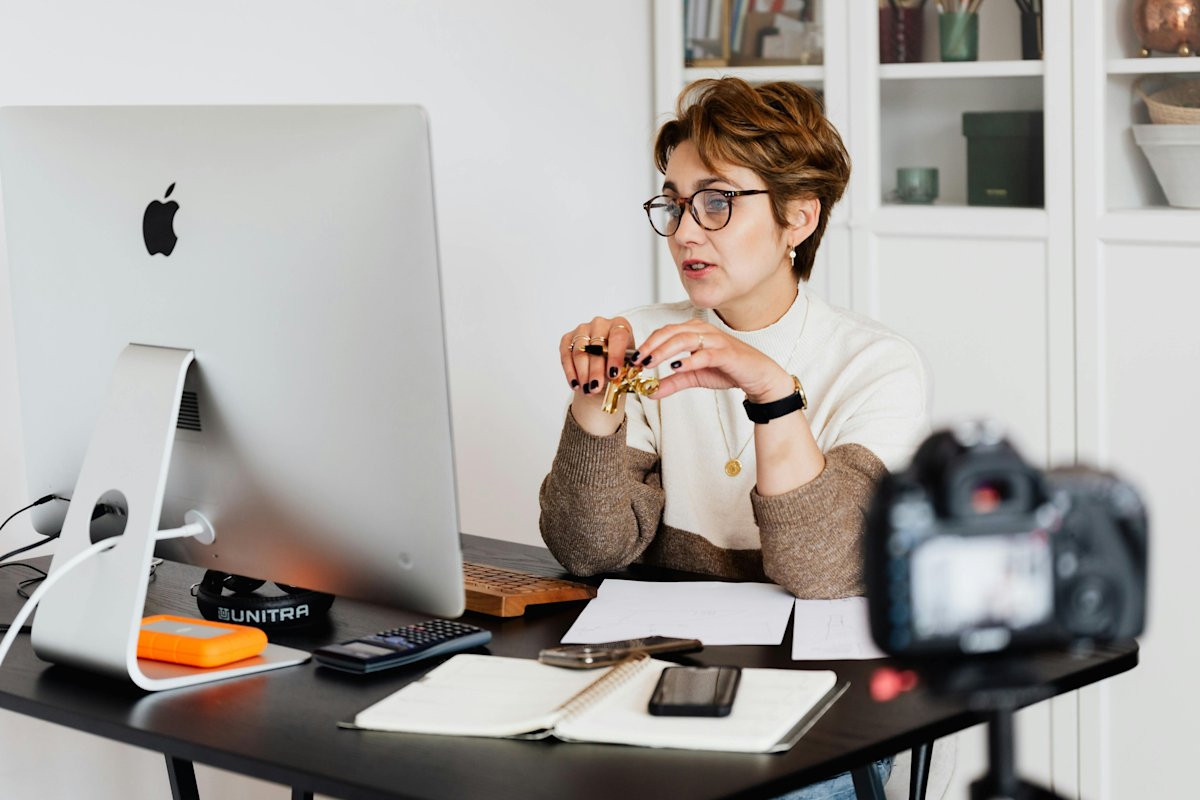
(53, 578)
(100, 510)
(197, 529)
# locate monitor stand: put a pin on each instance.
(92, 617)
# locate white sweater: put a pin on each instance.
(865, 385)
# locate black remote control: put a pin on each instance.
(400, 646)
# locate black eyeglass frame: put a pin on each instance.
(692, 207)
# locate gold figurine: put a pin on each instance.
(628, 381)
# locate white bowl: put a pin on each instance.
(1174, 152)
(1167, 134)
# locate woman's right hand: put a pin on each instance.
(588, 375)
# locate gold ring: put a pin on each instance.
(700, 346)
(614, 327)
(571, 349)
(600, 339)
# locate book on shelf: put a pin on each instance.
(751, 32)
(704, 29)
(491, 696)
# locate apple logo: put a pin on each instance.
(158, 225)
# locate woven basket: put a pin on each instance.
(1178, 104)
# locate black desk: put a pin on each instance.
(280, 726)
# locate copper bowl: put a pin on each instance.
(1168, 26)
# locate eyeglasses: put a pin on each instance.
(711, 208)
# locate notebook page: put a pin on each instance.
(768, 705)
(480, 695)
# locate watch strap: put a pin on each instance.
(762, 413)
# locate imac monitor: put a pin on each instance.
(293, 249)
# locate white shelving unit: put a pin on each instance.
(920, 123)
(961, 222)
(808, 75)
(1150, 226)
(1108, 69)
(964, 69)
(1129, 181)
(1135, 269)
(1154, 65)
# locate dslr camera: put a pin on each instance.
(972, 551)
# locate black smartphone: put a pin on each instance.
(695, 692)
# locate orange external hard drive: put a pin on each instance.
(197, 642)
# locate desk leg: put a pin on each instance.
(867, 783)
(183, 779)
(183, 782)
(918, 778)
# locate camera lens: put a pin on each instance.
(988, 495)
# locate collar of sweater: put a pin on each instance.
(779, 340)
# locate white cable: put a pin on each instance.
(196, 529)
(192, 529)
(40, 592)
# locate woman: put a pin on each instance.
(685, 479)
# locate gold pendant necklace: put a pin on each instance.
(733, 466)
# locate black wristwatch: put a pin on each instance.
(762, 413)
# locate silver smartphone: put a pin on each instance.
(590, 656)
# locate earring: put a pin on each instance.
(792, 254)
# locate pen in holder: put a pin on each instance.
(628, 381)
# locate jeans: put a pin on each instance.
(839, 787)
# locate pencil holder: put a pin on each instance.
(959, 36)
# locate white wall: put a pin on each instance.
(541, 121)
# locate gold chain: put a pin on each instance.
(734, 465)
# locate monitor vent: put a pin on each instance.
(189, 412)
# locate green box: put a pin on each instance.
(1005, 158)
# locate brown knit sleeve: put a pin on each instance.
(812, 536)
(601, 502)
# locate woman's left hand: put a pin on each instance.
(717, 361)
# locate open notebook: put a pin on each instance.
(479, 695)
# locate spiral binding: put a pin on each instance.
(620, 675)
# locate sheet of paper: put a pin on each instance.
(716, 613)
(833, 630)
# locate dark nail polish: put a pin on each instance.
(635, 355)
(648, 359)
(595, 385)
(574, 384)
(612, 372)
(586, 389)
(676, 364)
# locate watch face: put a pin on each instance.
(800, 391)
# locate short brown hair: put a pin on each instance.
(779, 130)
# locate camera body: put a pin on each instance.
(971, 551)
